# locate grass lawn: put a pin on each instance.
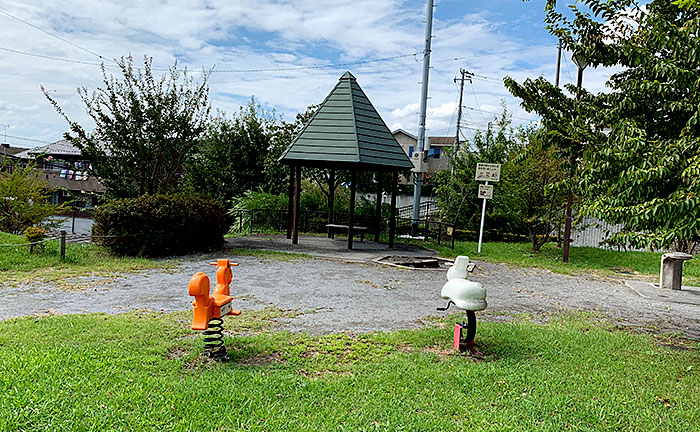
(141, 372)
(581, 259)
(269, 255)
(18, 265)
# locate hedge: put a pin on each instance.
(160, 225)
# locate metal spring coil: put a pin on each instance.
(214, 336)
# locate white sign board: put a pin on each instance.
(488, 172)
(486, 191)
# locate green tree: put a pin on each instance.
(531, 190)
(234, 155)
(457, 192)
(146, 128)
(639, 159)
(24, 199)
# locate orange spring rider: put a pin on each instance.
(210, 309)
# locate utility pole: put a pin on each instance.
(418, 176)
(556, 78)
(464, 73)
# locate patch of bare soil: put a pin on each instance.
(476, 354)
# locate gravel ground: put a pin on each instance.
(336, 295)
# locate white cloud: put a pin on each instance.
(263, 34)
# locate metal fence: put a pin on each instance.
(258, 221)
(593, 232)
(427, 229)
(264, 221)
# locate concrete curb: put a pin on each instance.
(651, 291)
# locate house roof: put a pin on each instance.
(59, 148)
(346, 132)
(8, 150)
(408, 134)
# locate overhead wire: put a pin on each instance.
(61, 59)
(27, 139)
(477, 101)
(495, 113)
(52, 34)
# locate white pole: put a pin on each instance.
(483, 215)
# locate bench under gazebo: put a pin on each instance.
(346, 133)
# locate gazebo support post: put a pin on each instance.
(297, 196)
(392, 217)
(331, 199)
(378, 216)
(351, 218)
(290, 202)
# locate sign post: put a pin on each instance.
(486, 172)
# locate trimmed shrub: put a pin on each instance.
(160, 225)
(33, 235)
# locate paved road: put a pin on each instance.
(349, 296)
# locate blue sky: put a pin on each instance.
(492, 39)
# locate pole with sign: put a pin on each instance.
(489, 173)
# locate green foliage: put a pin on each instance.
(145, 128)
(142, 371)
(234, 156)
(639, 145)
(24, 199)
(457, 192)
(253, 200)
(33, 235)
(160, 225)
(531, 195)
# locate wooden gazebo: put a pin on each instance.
(346, 133)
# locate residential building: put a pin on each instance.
(436, 147)
(66, 173)
(7, 151)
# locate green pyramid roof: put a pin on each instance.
(347, 132)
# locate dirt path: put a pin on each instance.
(341, 296)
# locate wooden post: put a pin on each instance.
(252, 216)
(379, 207)
(63, 245)
(290, 202)
(297, 196)
(331, 199)
(351, 218)
(392, 217)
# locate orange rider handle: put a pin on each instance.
(224, 276)
(199, 288)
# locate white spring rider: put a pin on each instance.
(464, 294)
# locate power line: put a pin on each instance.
(495, 53)
(51, 34)
(35, 90)
(66, 60)
(495, 113)
(315, 66)
(477, 101)
(280, 69)
(28, 139)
